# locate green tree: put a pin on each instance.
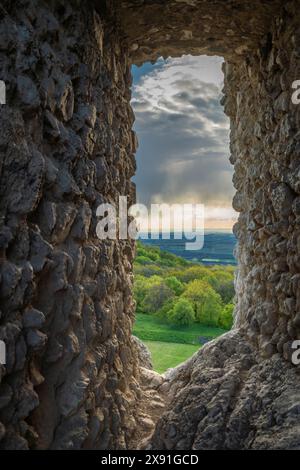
(139, 291)
(163, 312)
(150, 254)
(182, 314)
(173, 283)
(197, 291)
(226, 317)
(192, 273)
(156, 296)
(143, 260)
(223, 282)
(209, 312)
(142, 285)
(147, 270)
(206, 301)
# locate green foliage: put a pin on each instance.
(192, 273)
(151, 328)
(226, 318)
(165, 284)
(210, 311)
(159, 257)
(197, 291)
(157, 295)
(147, 270)
(143, 260)
(222, 281)
(173, 283)
(144, 252)
(182, 313)
(141, 288)
(163, 312)
(206, 302)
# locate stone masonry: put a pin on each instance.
(72, 378)
(66, 305)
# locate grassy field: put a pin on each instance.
(149, 328)
(173, 292)
(170, 345)
(166, 355)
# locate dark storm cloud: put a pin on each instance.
(183, 135)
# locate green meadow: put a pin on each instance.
(167, 355)
(180, 305)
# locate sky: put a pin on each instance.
(183, 134)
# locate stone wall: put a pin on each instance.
(71, 379)
(260, 44)
(265, 147)
(66, 305)
(233, 29)
(242, 390)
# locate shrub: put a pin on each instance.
(142, 285)
(226, 317)
(182, 313)
(143, 260)
(209, 312)
(222, 282)
(206, 302)
(157, 295)
(163, 312)
(192, 273)
(173, 283)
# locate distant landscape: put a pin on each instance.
(181, 303)
(218, 248)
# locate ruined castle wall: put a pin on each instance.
(260, 44)
(265, 147)
(241, 391)
(66, 145)
(66, 306)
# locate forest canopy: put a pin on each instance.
(182, 293)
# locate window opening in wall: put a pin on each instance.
(184, 297)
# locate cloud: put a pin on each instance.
(183, 134)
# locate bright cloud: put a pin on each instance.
(184, 135)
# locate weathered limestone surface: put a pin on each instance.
(231, 28)
(227, 397)
(72, 377)
(151, 407)
(66, 305)
(143, 353)
(242, 391)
